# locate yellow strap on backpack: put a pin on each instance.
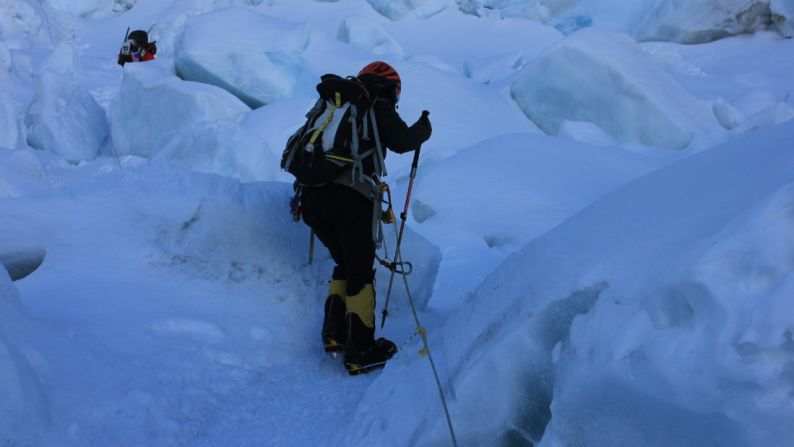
(319, 130)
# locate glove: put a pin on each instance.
(423, 126)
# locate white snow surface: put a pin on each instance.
(9, 123)
(369, 36)
(153, 102)
(650, 20)
(219, 148)
(400, 9)
(24, 403)
(255, 57)
(606, 78)
(65, 119)
(786, 9)
(579, 285)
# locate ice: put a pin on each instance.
(65, 119)
(274, 123)
(785, 21)
(9, 123)
(368, 35)
(757, 108)
(605, 78)
(698, 22)
(23, 403)
(418, 9)
(18, 17)
(587, 415)
(220, 148)
(153, 102)
(493, 68)
(77, 7)
(728, 116)
(649, 20)
(21, 263)
(580, 289)
(779, 113)
(531, 9)
(90, 8)
(539, 181)
(21, 173)
(636, 290)
(198, 329)
(754, 101)
(586, 132)
(6, 63)
(255, 57)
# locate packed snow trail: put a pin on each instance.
(188, 314)
(176, 308)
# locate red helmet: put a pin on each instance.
(384, 70)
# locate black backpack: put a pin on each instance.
(340, 132)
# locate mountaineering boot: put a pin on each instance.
(334, 330)
(363, 353)
(371, 358)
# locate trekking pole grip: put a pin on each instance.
(415, 163)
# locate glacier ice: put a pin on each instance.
(23, 402)
(153, 102)
(368, 35)
(9, 123)
(65, 119)
(647, 20)
(605, 78)
(399, 9)
(254, 57)
(221, 148)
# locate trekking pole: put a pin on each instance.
(126, 35)
(311, 248)
(403, 217)
(113, 146)
(425, 351)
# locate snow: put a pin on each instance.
(23, 401)
(776, 114)
(255, 57)
(18, 17)
(400, 9)
(63, 117)
(637, 308)
(219, 148)
(606, 79)
(785, 8)
(89, 8)
(9, 123)
(369, 36)
(178, 246)
(540, 182)
(649, 20)
(153, 102)
(579, 283)
(6, 64)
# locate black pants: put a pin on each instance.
(342, 220)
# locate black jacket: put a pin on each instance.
(394, 133)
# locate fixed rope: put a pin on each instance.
(398, 266)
